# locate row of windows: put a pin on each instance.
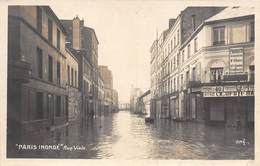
(39, 63)
(171, 45)
(50, 28)
(72, 76)
(53, 104)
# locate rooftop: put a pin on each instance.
(232, 12)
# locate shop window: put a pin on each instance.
(39, 105)
(58, 106)
(218, 35)
(216, 74)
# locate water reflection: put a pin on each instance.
(126, 136)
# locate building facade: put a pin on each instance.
(37, 95)
(216, 50)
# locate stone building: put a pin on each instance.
(216, 51)
(76, 42)
(107, 77)
(74, 95)
(37, 96)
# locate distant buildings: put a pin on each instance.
(53, 74)
(202, 67)
(111, 95)
(135, 94)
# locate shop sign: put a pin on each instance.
(228, 91)
(236, 60)
(196, 89)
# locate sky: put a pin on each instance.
(126, 31)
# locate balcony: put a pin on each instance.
(19, 71)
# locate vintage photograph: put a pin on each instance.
(131, 80)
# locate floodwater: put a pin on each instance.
(126, 136)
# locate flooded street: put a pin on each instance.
(126, 136)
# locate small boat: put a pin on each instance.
(149, 120)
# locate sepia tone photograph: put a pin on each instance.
(131, 80)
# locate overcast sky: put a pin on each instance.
(125, 31)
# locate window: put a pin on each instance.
(75, 76)
(58, 39)
(178, 37)
(174, 41)
(72, 78)
(58, 73)
(187, 76)
(194, 74)
(50, 30)
(50, 74)
(58, 106)
(174, 86)
(39, 62)
(174, 63)
(219, 35)
(252, 31)
(216, 74)
(68, 73)
(39, 19)
(195, 45)
(171, 45)
(183, 54)
(252, 73)
(188, 50)
(39, 105)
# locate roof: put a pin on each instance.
(232, 12)
(54, 16)
(93, 31)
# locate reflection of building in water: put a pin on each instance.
(209, 74)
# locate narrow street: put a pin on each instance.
(126, 136)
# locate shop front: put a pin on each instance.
(230, 105)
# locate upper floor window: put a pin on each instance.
(216, 74)
(68, 75)
(194, 74)
(58, 38)
(50, 30)
(188, 51)
(219, 35)
(58, 73)
(183, 54)
(252, 31)
(195, 45)
(50, 66)
(39, 63)
(178, 37)
(39, 19)
(174, 41)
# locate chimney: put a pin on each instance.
(193, 23)
(171, 22)
(76, 33)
